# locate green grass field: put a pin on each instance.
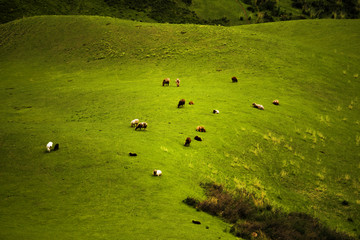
(79, 81)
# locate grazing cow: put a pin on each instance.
(200, 129)
(49, 146)
(216, 112)
(276, 102)
(177, 82)
(134, 123)
(141, 125)
(166, 81)
(181, 103)
(197, 138)
(187, 142)
(191, 103)
(258, 106)
(196, 222)
(56, 147)
(157, 172)
(234, 79)
(133, 154)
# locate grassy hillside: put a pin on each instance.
(79, 81)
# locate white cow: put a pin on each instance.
(258, 106)
(157, 172)
(49, 146)
(134, 122)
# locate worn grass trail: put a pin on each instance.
(79, 81)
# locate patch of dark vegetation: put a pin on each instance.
(251, 9)
(191, 201)
(256, 218)
(328, 8)
(187, 2)
(9, 11)
(175, 11)
(166, 11)
(160, 10)
(267, 11)
(22, 107)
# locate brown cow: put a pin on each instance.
(234, 79)
(177, 82)
(166, 81)
(200, 129)
(141, 125)
(191, 103)
(276, 102)
(187, 142)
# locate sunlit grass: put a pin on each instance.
(80, 81)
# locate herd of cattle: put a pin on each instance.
(143, 125)
(166, 82)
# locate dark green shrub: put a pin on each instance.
(251, 9)
(297, 4)
(187, 2)
(266, 5)
(268, 17)
(323, 9)
(191, 201)
(260, 221)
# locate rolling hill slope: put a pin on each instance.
(79, 81)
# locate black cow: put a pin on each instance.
(197, 138)
(56, 147)
(181, 103)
